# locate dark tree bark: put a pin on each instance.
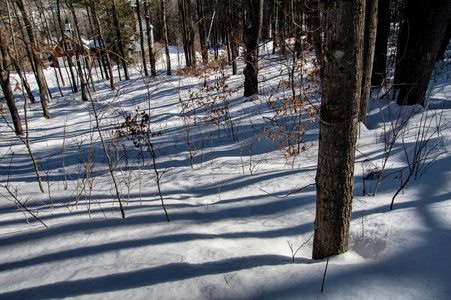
(63, 37)
(202, 33)
(316, 30)
(230, 36)
(254, 22)
(165, 37)
(187, 32)
(422, 31)
(368, 55)
(296, 9)
(120, 42)
(275, 12)
(149, 28)
(445, 42)
(342, 79)
(283, 28)
(40, 78)
(150, 42)
(141, 34)
(380, 51)
(6, 85)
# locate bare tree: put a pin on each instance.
(368, 56)
(150, 41)
(6, 85)
(253, 26)
(165, 37)
(380, 51)
(40, 78)
(342, 80)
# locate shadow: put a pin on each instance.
(144, 277)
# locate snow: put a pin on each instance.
(234, 213)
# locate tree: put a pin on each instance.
(6, 85)
(165, 37)
(150, 42)
(185, 11)
(380, 49)
(368, 56)
(253, 27)
(119, 38)
(101, 40)
(422, 30)
(230, 35)
(65, 50)
(202, 34)
(141, 36)
(343, 23)
(35, 53)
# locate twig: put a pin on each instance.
(290, 192)
(22, 205)
(324, 276)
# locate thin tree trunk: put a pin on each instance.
(202, 34)
(253, 31)
(150, 41)
(380, 51)
(317, 31)
(275, 10)
(6, 85)
(120, 43)
(83, 85)
(230, 36)
(368, 55)
(141, 34)
(63, 38)
(107, 64)
(166, 40)
(342, 80)
(40, 78)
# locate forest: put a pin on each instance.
(225, 149)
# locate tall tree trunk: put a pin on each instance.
(422, 31)
(83, 84)
(120, 42)
(254, 22)
(230, 36)
(368, 55)
(6, 85)
(316, 30)
(380, 51)
(141, 33)
(107, 62)
(187, 32)
(40, 78)
(296, 16)
(445, 42)
(165, 37)
(275, 11)
(342, 80)
(202, 34)
(63, 38)
(150, 41)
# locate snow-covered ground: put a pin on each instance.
(237, 214)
